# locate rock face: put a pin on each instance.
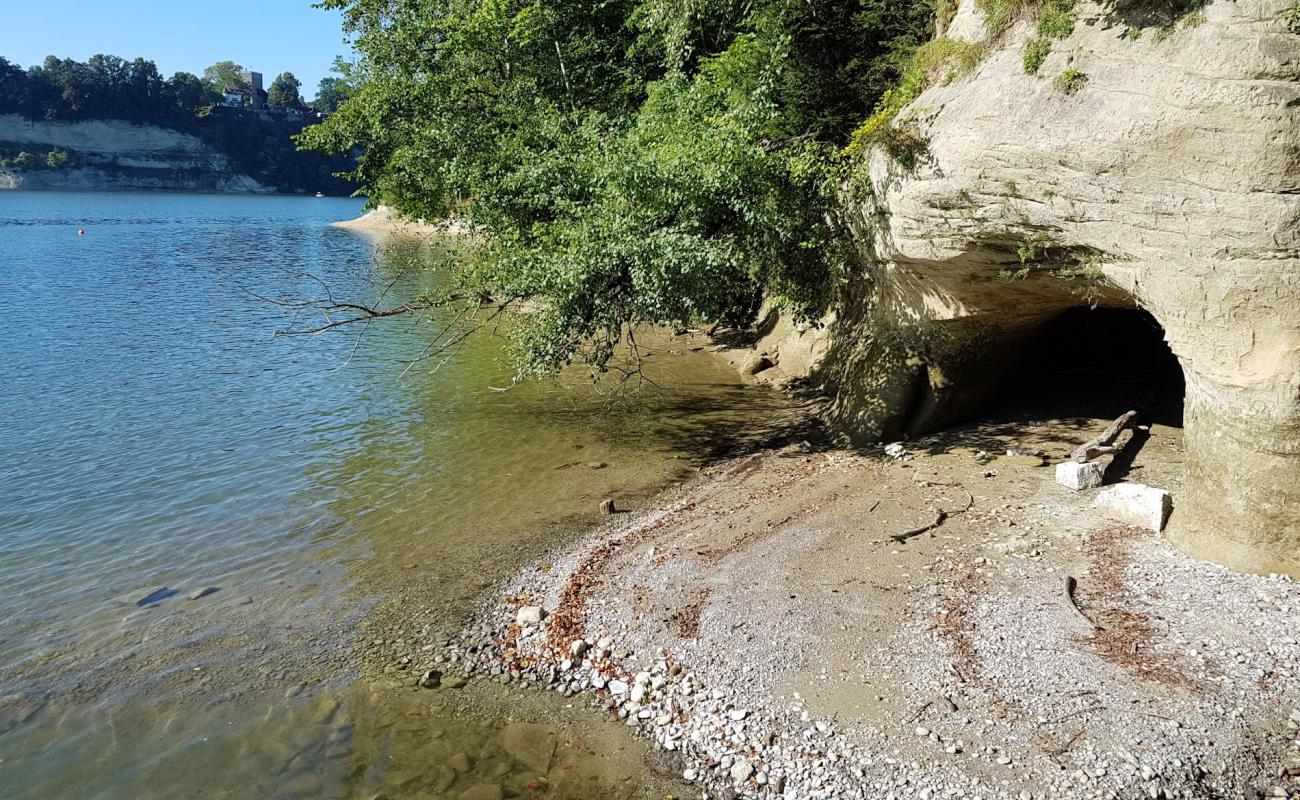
(1169, 181)
(118, 155)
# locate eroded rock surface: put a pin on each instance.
(1169, 181)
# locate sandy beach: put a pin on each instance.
(385, 220)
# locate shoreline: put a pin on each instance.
(385, 220)
(760, 627)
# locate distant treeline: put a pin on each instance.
(108, 87)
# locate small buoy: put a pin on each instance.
(81, 231)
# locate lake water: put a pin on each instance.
(155, 433)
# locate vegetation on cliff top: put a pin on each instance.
(108, 87)
(633, 161)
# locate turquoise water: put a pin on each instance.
(157, 434)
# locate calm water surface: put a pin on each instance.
(156, 434)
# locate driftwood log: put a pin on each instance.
(940, 517)
(1070, 585)
(1104, 443)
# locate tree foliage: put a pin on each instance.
(627, 162)
(226, 76)
(284, 92)
(330, 94)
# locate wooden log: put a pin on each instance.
(1070, 585)
(940, 517)
(1104, 443)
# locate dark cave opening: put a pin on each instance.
(1097, 362)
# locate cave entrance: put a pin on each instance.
(1099, 363)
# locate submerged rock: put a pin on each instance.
(155, 596)
(530, 744)
(483, 791)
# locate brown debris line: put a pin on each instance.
(1125, 634)
(566, 624)
(953, 623)
(687, 619)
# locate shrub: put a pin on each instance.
(951, 57)
(57, 159)
(944, 11)
(1132, 34)
(1036, 53)
(1070, 81)
(1056, 19)
(1001, 13)
(905, 144)
(1292, 17)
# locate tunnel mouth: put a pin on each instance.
(1098, 363)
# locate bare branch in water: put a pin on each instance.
(616, 357)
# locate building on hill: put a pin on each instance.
(257, 96)
(250, 95)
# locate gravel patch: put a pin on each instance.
(762, 628)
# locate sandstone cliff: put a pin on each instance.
(1164, 175)
(114, 154)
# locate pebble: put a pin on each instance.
(528, 616)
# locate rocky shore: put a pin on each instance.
(768, 631)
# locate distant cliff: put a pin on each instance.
(116, 154)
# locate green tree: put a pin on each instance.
(330, 94)
(225, 76)
(284, 92)
(190, 93)
(13, 88)
(628, 162)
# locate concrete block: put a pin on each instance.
(1136, 504)
(1076, 476)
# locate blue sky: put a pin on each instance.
(269, 36)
